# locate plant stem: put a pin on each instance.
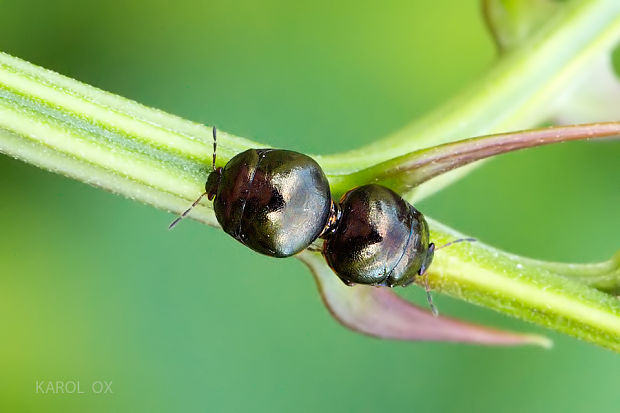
(519, 92)
(532, 290)
(604, 276)
(411, 170)
(105, 140)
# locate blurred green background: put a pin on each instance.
(93, 287)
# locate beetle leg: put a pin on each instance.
(427, 260)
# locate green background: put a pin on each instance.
(93, 287)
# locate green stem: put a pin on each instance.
(103, 139)
(543, 293)
(518, 92)
(153, 157)
(604, 276)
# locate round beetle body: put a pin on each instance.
(276, 202)
(380, 239)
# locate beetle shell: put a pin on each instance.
(276, 202)
(380, 239)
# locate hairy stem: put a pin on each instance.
(105, 140)
(548, 294)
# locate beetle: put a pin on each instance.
(278, 202)
(275, 201)
(379, 239)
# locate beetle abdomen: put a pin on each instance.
(276, 202)
(380, 238)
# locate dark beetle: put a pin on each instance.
(278, 202)
(380, 239)
(274, 201)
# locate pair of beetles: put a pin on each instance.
(278, 202)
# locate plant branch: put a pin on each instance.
(412, 169)
(153, 157)
(548, 294)
(520, 91)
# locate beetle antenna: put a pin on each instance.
(457, 241)
(184, 214)
(429, 297)
(214, 146)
